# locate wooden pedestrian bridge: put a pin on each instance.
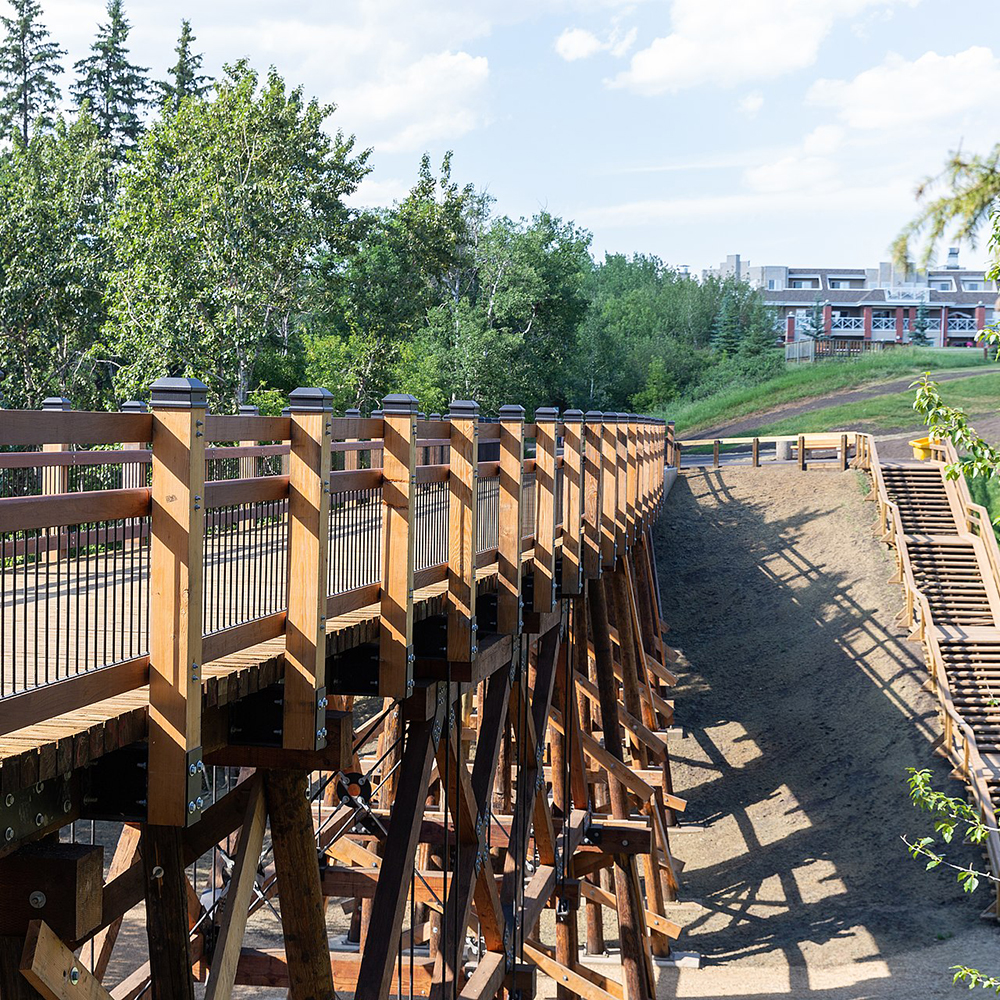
(399, 673)
(377, 705)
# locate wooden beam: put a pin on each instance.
(509, 536)
(609, 490)
(463, 512)
(54, 971)
(544, 555)
(176, 573)
(593, 482)
(126, 853)
(296, 865)
(311, 415)
(571, 579)
(167, 913)
(238, 897)
(400, 850)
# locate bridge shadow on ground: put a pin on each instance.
(802, 707)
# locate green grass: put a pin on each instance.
(977, 394)
(986, 492)
(805, 381)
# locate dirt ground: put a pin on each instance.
(802, 706)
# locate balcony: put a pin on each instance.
(962, 324)
(848, 324)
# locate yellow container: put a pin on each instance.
(921, 448)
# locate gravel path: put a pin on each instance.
(802, 706)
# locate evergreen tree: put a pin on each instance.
(185, 80)
(28, 65)
(814, 326)
(726, 332)
(115, 88)
(918, 335)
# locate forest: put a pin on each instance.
(191, 226)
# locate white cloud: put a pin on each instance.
(577, 43)
(727, 43)
(901, 92)
(823, 140)
(436, 97)
(374, 192)
(817, 174)
(750, 104)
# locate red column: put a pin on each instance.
(790, 327)
(867, 313)
(944, 326)
(899, 324)
(828, 319)
(913, 320)
(980, 320)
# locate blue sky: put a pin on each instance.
(789, 131)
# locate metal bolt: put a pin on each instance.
(200, 802)
(201, 765)
(39, 819)
(192, 770)
(624, 843)
(37, 899)
(157, 869)
(9, 800)
(40, 786)
(74, 976)
(9, 834)
(67, 806)
(191, 807)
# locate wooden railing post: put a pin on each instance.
(462, 531)
(802, 452)
(399, 465)
(571, 578)
(311, 413)
(593, 501)
(176, 572)
(668, 458)
(248, 463)
(351, 462)
(621, 484)
(609, 490)
(509, 533)
(755, 453)
(55, 478)
(632, 480)
(133, 473)
(545, 506)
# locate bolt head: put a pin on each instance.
(37, 899)
(9, 834)
(39, 819)
(157, 871)
(74, 976)
(191, 807)
(9, 800)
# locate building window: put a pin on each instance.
(973, 286)
(940, 286)
(835, 284)
(770, 284)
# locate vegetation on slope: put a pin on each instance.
(802, 382)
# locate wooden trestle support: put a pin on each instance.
(460, 747)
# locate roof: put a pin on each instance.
(868, 296)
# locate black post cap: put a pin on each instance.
(400, 403)
(573, 417)
(353, 412)
(546, 414)
(56, 403)
(463, 409)
(511, 411)
(134, 406)
(593, 416)
(311, 399)
(249, 410)
(377, 413)
(176, 393)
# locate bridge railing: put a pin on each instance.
(157, 568)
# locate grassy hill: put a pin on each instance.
(807, 381)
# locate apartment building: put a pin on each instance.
(952, 303)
